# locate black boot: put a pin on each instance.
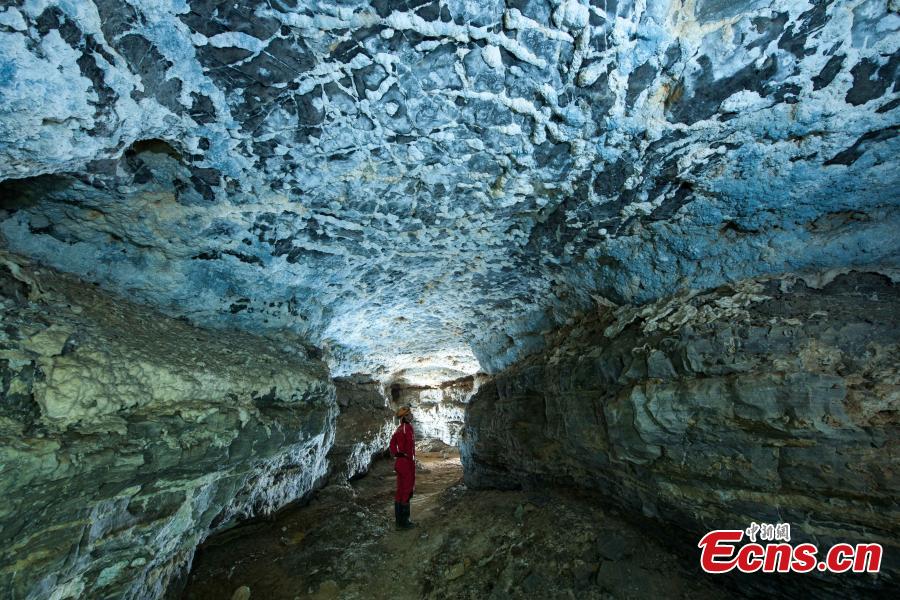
(398, 514)
(404, 516)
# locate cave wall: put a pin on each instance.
(439, 410)
(762, 401)
(363, 428)
(126, 437)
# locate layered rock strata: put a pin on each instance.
(770, 400)
(364, 426)
(127, 437)
(439, 410)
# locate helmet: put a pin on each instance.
(404, 410)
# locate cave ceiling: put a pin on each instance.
(437, 184)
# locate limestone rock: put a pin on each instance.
(443, 181)
(126, 437)
(242, 593)
(439, 409)
(363, 428)
(775, 406)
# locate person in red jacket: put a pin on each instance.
(403, 449)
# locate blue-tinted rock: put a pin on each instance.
(394, 181)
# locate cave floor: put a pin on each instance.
(469, 544)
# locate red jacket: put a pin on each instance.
(404, 442)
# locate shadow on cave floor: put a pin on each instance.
(469, 544)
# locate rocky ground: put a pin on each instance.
(469, 544)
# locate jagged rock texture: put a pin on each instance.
(363, 428)
(127, 437)
(764, 401)
(442, 184)
(439, 411)
(433, 179)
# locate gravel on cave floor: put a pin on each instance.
(468, 544)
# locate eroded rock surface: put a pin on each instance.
(363, 428)
(763, 401)
(439, 410)
(126, 437)
(440, 186)
(437, 178)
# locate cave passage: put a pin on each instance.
(468, 544)
(633, 265)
